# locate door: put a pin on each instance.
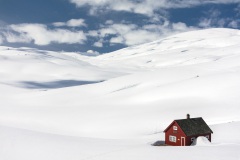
(182, 141)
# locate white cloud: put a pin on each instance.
(158, 28)
(71, 23)
(118, 39)
(76, 22)
(89, 2)
(146, 7)
(205, 23)
(14, 38)
(109, 22)
(121, 28)
(212, 22)
(179, 26)
(233, 24)
(140, 36)
(215, 20)
(107, 31)
(59, 24)
(41, 35)
(142, 7)
(92, 53)
(98, 44)
(93, 33)
(218, 22)
(1, 39)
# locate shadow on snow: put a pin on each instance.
(55, 84)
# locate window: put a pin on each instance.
(174, 128)
(172, 139)
(192, 139)
(207, 136)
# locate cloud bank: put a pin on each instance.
(146, 7)
(71, 23)
(108, 33)
(39, 34)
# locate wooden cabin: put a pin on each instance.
(183, 132)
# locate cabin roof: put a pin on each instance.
(194, 126)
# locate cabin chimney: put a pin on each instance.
(188, 116)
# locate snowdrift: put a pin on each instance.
(201, 141)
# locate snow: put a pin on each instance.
(59, 105)
(201, 141)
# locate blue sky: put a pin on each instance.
(107, 25)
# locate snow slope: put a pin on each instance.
(114, 106)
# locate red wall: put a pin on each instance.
(178, 135)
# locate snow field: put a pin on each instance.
(114, 106)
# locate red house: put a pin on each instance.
(183, 132)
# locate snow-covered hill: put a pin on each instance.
(68, 106)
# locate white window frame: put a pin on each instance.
(175, 128)
(172, 138)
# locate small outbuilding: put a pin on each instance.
(183, 132)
